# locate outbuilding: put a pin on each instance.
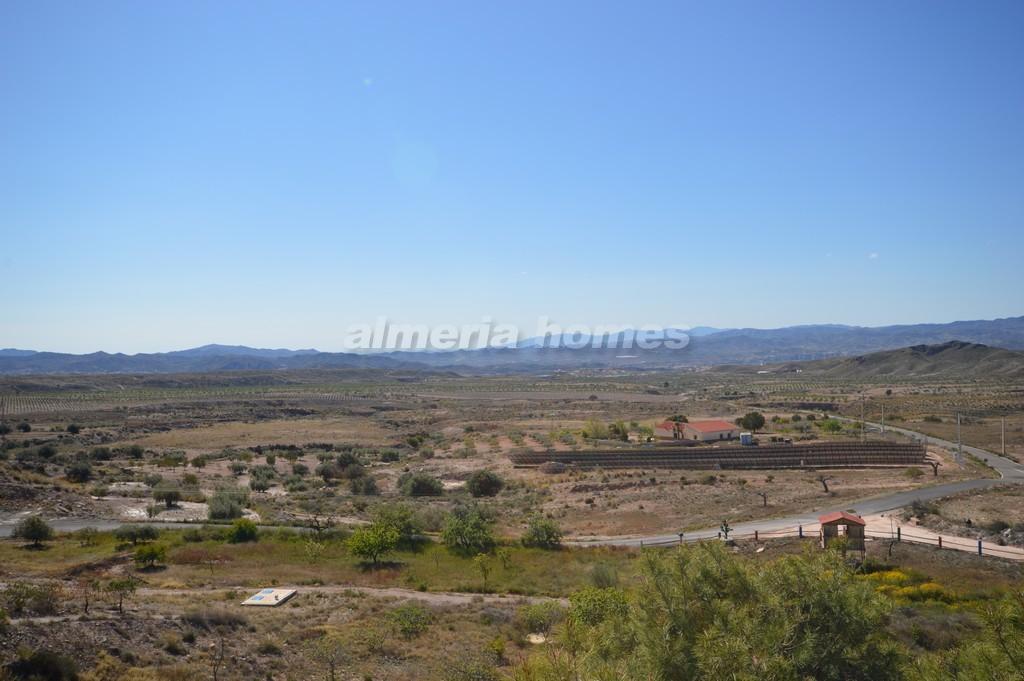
(846, 525)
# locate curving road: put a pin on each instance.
(1010, 472)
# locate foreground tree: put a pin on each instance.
(700, 612)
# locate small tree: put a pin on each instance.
(168, 495)
(33, 529)
(373, 542)
(467, 532)
(329, 650)
(122, 588)
(483, 566)
(149, 555)
(753, 421)
(484, 484)
(824, 480)
(24, 427)
(725, 528)
(74, 428)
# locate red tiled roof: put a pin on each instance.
(841, 515)
(669, 425)
(711, 426)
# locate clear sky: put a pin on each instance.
(179, 173)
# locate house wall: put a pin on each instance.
(713, 436)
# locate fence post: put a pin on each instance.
(940, 542)
(755, 536)
(641, 543)
(899, 534)
(979, 547)
(800, 530)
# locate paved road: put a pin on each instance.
(1011, 472)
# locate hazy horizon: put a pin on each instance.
(525, 335)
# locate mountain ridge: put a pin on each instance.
(722, 346)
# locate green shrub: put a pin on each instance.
(136, 533)
(409, 621)
(243, 530)
(542, 533)
(420, 485)
(540, 618)
(27, 598)
(33, 529)
(366, 486)
(467, 532)
(227, 503)
(484, 484)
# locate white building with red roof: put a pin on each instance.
(710, 431)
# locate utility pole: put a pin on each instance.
(1002, 433)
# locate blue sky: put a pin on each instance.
(173, 174)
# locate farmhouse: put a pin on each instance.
(710, 431)
(699, 431)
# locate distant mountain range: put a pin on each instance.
(707, 347)
(954, 359)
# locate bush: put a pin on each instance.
(420, 485)
(74, 428)
(243, 530)
(268, 647)
(996, 526)
(101, 454)
(43, 665)
(26, 598)
(24, 427)
(542, 533)
(484, 484)
(540, 618)
(467, 532)
(33, 529)
(208, 619)
(80, 471)
(409, 621)
(136, 533)
(366, 486)
(591, 606)
(227, 503)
